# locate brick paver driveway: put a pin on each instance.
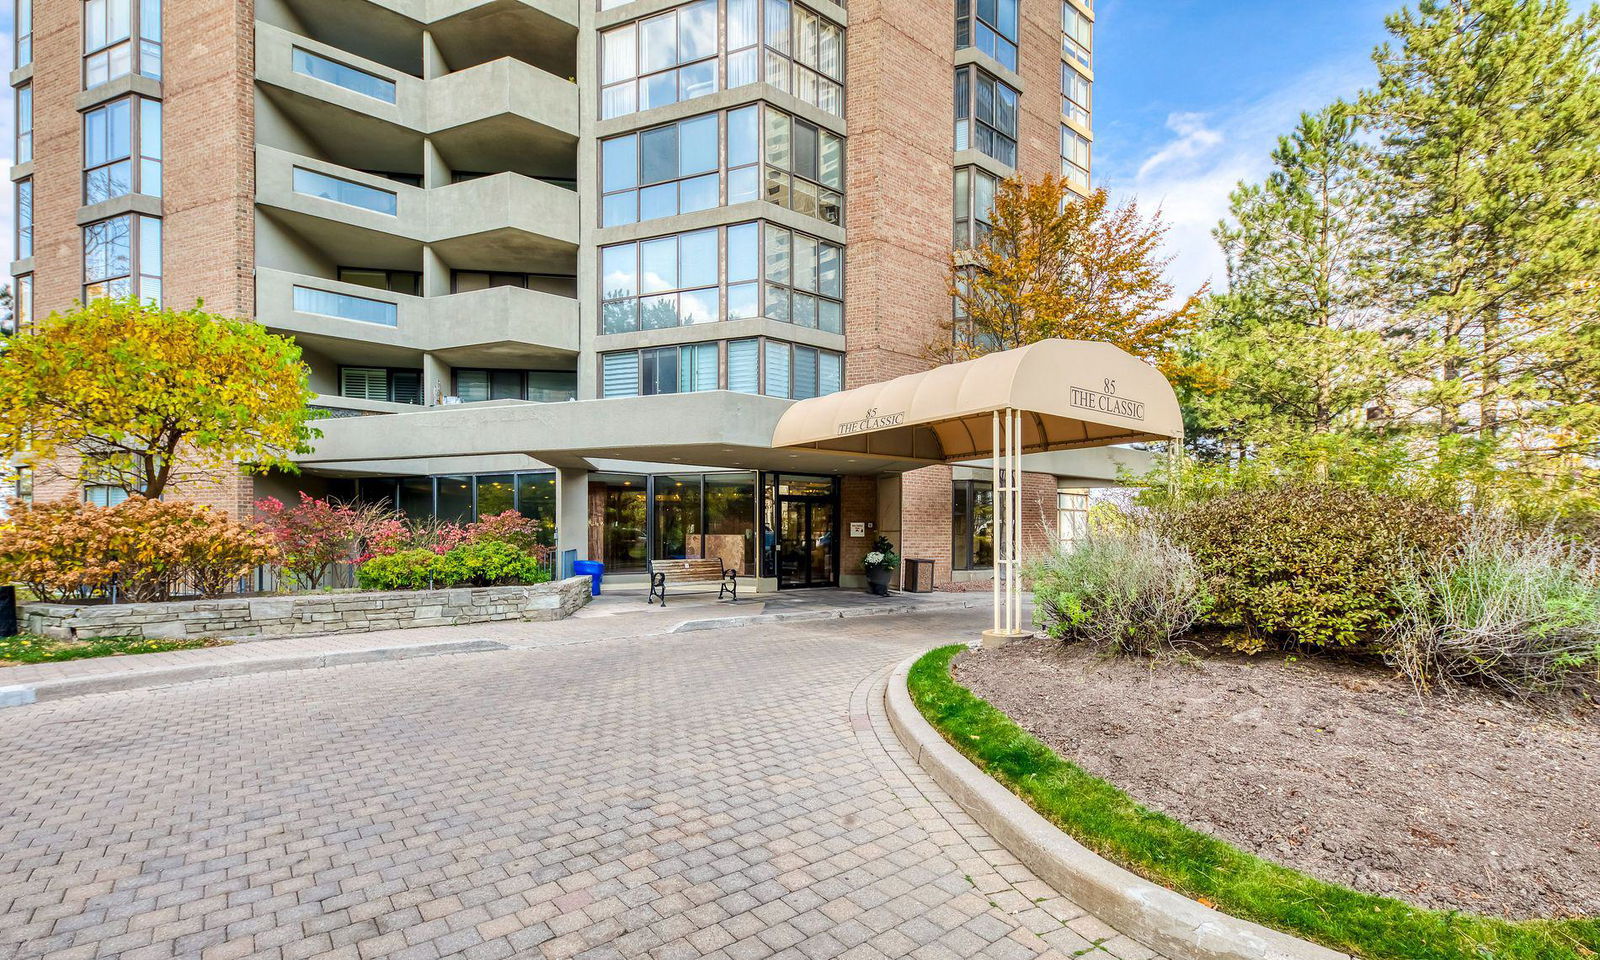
(732, 794)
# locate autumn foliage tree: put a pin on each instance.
(1057, 265)
(134, 393)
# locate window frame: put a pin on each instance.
(140, 163)
(970, 125)
(388, 382)
(138, 230)
(640, 358)
(524, 377)
(22, 117)
(764, 350)
(21, 302)
(969, 227)
(22, 236)
(971, 24)
(22, 21)
(1074, 84)
(1076, 172)
(1072, 46)
(964, 502)
(144, 41)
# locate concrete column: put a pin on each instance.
(433, 64)
(435, 274)
(572, 512)
(435, 379)
(435, 171)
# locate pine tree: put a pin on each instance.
(1489, 117)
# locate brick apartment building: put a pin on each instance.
(564, 256)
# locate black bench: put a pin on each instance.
(677, 572)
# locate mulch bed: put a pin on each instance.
(1336, 769)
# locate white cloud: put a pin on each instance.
(1190, 175)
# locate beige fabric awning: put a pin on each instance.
(1072, 393)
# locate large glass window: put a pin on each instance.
(804, 167)
(730, 505)
(974, 206)
(120, 37)
(24, 150)
(22, 303)
(314, 184)
(112, 134)
(989, 26)
(621, 539)
(24, 238)
(1072, 516)
(346, 306)
(690, 368)
(677, 519)
(779, 369)
(972, 525)
(1077, 35)
(659, 60)
(673, 56)
(381, 383)
(804, 280)
(24, 29)
(122, 258)
(1074, 156)
(473, 386)
(804, 55)
(664, 282)
(354, 79)
(464, 499)
(1074, 95)
(986, 115)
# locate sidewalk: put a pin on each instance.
(618, 614)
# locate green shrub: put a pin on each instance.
(1315, 565)
(1123, 587)
(1521, 614)
(405, 570)
(488, 563)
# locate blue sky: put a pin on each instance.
(1190, 97)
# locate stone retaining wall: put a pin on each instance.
(297, 615)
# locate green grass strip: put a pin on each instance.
(32, 649)
(1202, 867)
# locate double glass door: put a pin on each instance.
(808, 541)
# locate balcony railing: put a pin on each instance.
(344, 306)
(322, 68)
(348, 192)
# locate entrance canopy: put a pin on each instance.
(1069, 393)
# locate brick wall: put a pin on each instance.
(858, 503)
(925, 518)
(1039, 111)
(208, 184)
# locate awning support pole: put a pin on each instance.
(996, 486)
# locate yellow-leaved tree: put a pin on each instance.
(134, 393)
(1056, 264)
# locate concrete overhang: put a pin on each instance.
(493, 327)
(716, 428)
(391, 30)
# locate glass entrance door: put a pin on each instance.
(808, 542)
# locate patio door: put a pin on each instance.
(808, 541)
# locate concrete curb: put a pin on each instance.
(796, 616)
(1167, 922)
(45, 690)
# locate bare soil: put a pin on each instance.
(1341, 770)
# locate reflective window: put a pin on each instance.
(345, 306)
(22, 303)
(804, 280)
(318, 67)
(688, 368)
(314, 184)
(972, 525)
(1074, 95)
(24, 150)
(659, 60)
(989, 26)
(673, 56)
(111, 135)
(24, 29)
(665, 170)
(24, 207)
(974, 206)
(120, 37)
(986, 115)
(804, 167)
(1077, 32)
(122, 258)
(545, 386)
(1074, 156)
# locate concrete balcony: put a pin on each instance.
(501, 114)
(505, 221)
(353, 324)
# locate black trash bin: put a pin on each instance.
(8, 611)
(919, 576)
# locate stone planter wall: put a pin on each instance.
(298, 615)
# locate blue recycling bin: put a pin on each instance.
(594, 570)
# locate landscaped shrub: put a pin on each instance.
(509, 527)
(489, 563)
(315, 536)
(414, 569)
(148, 548)
(392, 533)
(1313, 565)
(1518, 613)
(1123, 587)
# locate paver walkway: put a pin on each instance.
(733, 794)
